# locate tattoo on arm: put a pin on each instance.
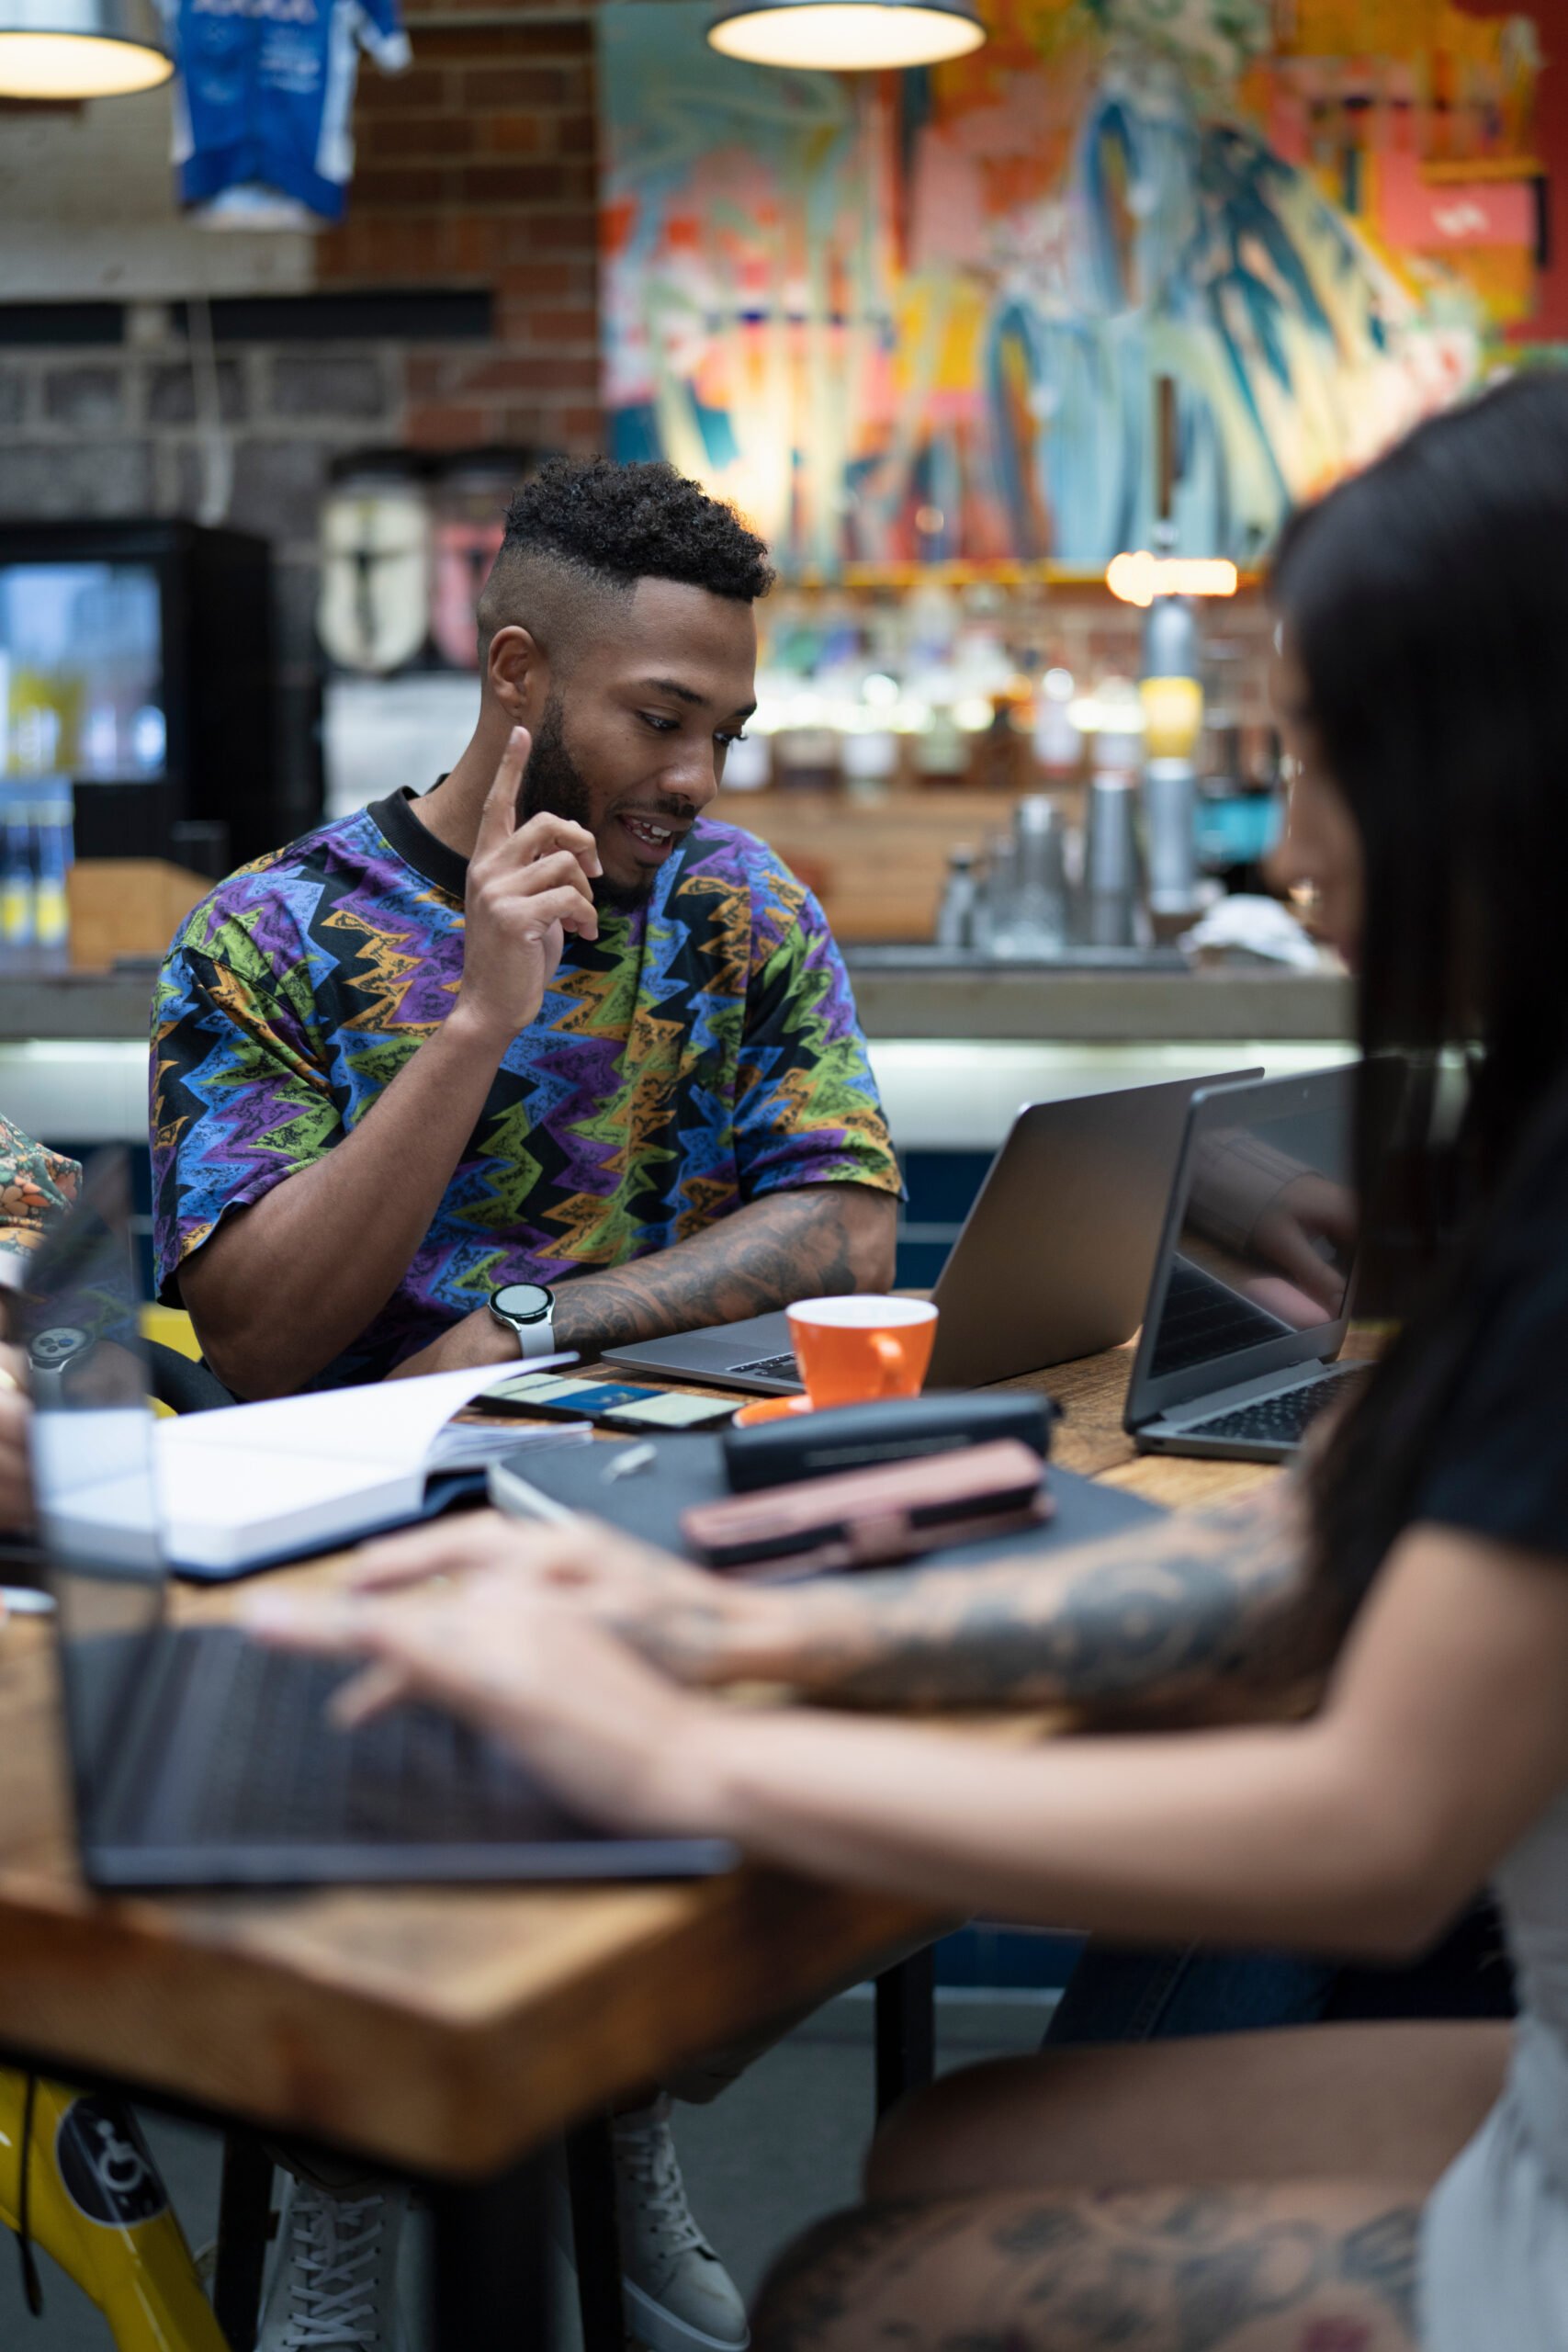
(812, 1242)
(1158, 1616)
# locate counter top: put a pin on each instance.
(51, 1006)
(901, 993)
(916, 997)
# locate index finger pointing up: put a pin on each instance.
(498, 820)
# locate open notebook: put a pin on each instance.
(253, 1484)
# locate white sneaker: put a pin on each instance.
(337, 2264)
(678, 2292)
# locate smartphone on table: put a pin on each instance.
(616, 1404)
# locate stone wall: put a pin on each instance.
(112, 433)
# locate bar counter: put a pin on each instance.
(1153, 1000)
(901, 992)
(957, 1044)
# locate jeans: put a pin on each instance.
(1116, 1994)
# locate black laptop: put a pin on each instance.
(198, 1758)
(1250, 1303)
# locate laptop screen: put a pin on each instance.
(92, 1447)
(1268, 1225)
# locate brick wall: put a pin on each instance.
(477, 167)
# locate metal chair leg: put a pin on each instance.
(905, 2028)
(490, 2283)
(244, 2224)
(596, 2236)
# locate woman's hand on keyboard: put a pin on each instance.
(700, 1628)
(507, 1653)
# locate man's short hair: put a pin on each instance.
(595, 529)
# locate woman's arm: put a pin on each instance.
(1444, 1734)
(1209, 1605)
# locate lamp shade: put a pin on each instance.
(847, 36)
(80, 49)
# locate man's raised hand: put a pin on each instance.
(528, 885)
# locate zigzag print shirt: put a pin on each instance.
(702, 1052)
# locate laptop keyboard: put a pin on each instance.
(783, 1368)
(1278, 1420)
(273, 1770)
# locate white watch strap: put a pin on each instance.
(535, 1339)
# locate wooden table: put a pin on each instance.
(449, 2035)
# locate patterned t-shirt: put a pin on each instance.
(37, 1186)
(701, 1052)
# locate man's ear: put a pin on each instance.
(518, 676)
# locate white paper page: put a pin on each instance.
(392, 1423)
(470, 1445)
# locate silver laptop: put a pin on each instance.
(1249, 1302)
(1053, 1260)
(199, 1758)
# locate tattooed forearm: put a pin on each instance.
(1197, 2270)
(1153, 1618)
(816, 1242)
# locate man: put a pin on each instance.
(547, 1024)
(550, 1026)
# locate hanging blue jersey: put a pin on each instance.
(266, 91)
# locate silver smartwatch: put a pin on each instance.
(527, 1309)
(50, 1355)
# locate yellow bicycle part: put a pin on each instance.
(96, 2203)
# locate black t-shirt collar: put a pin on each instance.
(417, 845)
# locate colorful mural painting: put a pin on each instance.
(921, 316)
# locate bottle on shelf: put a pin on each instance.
(1058, 737)
(1111, 875)
(1040, 887)
(51, 848)
(16, 896)
(1172, 697)
(955, 922)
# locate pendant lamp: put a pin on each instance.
(80, 49)
(847, 36)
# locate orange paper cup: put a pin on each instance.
(852, 1350)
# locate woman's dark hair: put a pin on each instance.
(1426, 601)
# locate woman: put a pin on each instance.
(1335, 2190)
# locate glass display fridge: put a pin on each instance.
(136, 666)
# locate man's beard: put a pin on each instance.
(553, 785)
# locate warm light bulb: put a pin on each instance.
(1139, 579)
(847, 36)
(77, 65)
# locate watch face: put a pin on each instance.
(50, 1349)
(521, 1301)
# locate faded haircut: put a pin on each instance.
(583, 531)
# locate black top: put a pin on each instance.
(1498, 1457)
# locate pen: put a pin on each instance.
(625, 1466)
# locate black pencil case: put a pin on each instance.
(870, 1518)
(897, 1429)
